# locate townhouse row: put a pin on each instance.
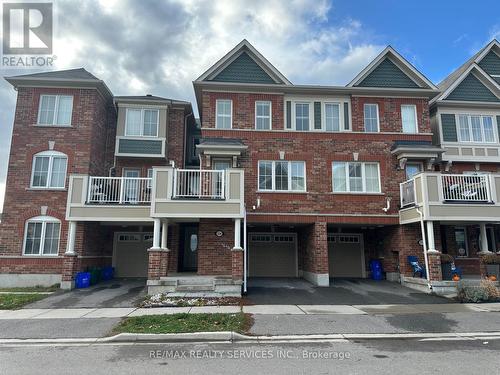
(273, 179)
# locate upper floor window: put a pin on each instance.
(356, 177)
(263, 115)
(332, 117)
(49, 170)
(412, 169)
(142, 122)
(41, 236)
(282, 175)
(409, 118)
(476, 128)
(55, 110)
(224, 117)
(302, 116)
(371, 118)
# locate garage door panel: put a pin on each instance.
(273, 258)
(345, 259)
(130, 257)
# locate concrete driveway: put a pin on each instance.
(113, 293)
(284, 291)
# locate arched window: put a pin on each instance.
(41, 236)
(49, 170)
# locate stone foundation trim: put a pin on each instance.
(17, 280)
(318, 279)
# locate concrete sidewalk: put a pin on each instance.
(121, 312)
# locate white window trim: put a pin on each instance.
(416, 117)
(469, 126)
(378, 118)
(142, 122)
(270, 113)
(51, 155)
(323, 117)
(363, 178)
(44, 220)
(273, 176)
(230, 114)
(466, 241)
(56, 109)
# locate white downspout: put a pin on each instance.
(245, 251)
(425, 247)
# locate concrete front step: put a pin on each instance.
(195, 284)
(195, 288)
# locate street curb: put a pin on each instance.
(235, 337)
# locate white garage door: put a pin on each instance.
(130, 255)
(272, 255)
(346, 255)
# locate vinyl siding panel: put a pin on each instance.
(135, 146)
(449, 127)
(243, 70)
(491, 63)
(471, 89)
(387, 74)
(317, 115)
(346, 116)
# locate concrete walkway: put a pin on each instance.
(121, 312)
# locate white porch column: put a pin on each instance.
(484, 238)
(237, 234)
(70, 246)
(430, 238)
(156, 233)
(164, 234)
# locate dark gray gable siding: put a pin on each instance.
(449, 127)
(471, 89)
(136, 146)
(490, 63)
(498, 124)
(317, 115)
(387, 74)
(244, 70)
(288, 114)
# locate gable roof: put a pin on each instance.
(64, 78)
(476, 59)
(150, 98)
(391, 70)
(244, 64)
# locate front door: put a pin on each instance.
(220, 165)
(189, 253)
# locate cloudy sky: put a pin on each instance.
(160, 47)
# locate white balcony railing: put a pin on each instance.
(466, 188)
(199, 184)
(407, 193)
(119, 190)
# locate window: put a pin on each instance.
(412, 169)
(461, 241)
(332, 117)
(55, 110)
(301, 116)
(371, 118)
(149, 184)
(141, 122)
(409, 118)
(224, 110)
(129, 238)
(49, 170)
(41, 236)
(282, 175)
(263, 115)
(356, 177)
(475, 128)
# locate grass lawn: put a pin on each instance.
(16, 301)
(179, 323)
(33, 289)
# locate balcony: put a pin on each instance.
(448, 197)
(193, 193)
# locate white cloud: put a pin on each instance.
(160, 47)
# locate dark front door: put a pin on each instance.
(189, 251)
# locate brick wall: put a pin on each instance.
(91, 116)
(214, 253)
(313, 248)
(318, 150)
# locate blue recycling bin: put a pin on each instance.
(82, 280)
(376, 269)
(107, 273)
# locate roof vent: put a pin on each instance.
(149, 95)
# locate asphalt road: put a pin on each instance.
(363, 357)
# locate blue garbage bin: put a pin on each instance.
(82, 280)
(376, 269)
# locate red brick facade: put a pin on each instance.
(215, 253)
